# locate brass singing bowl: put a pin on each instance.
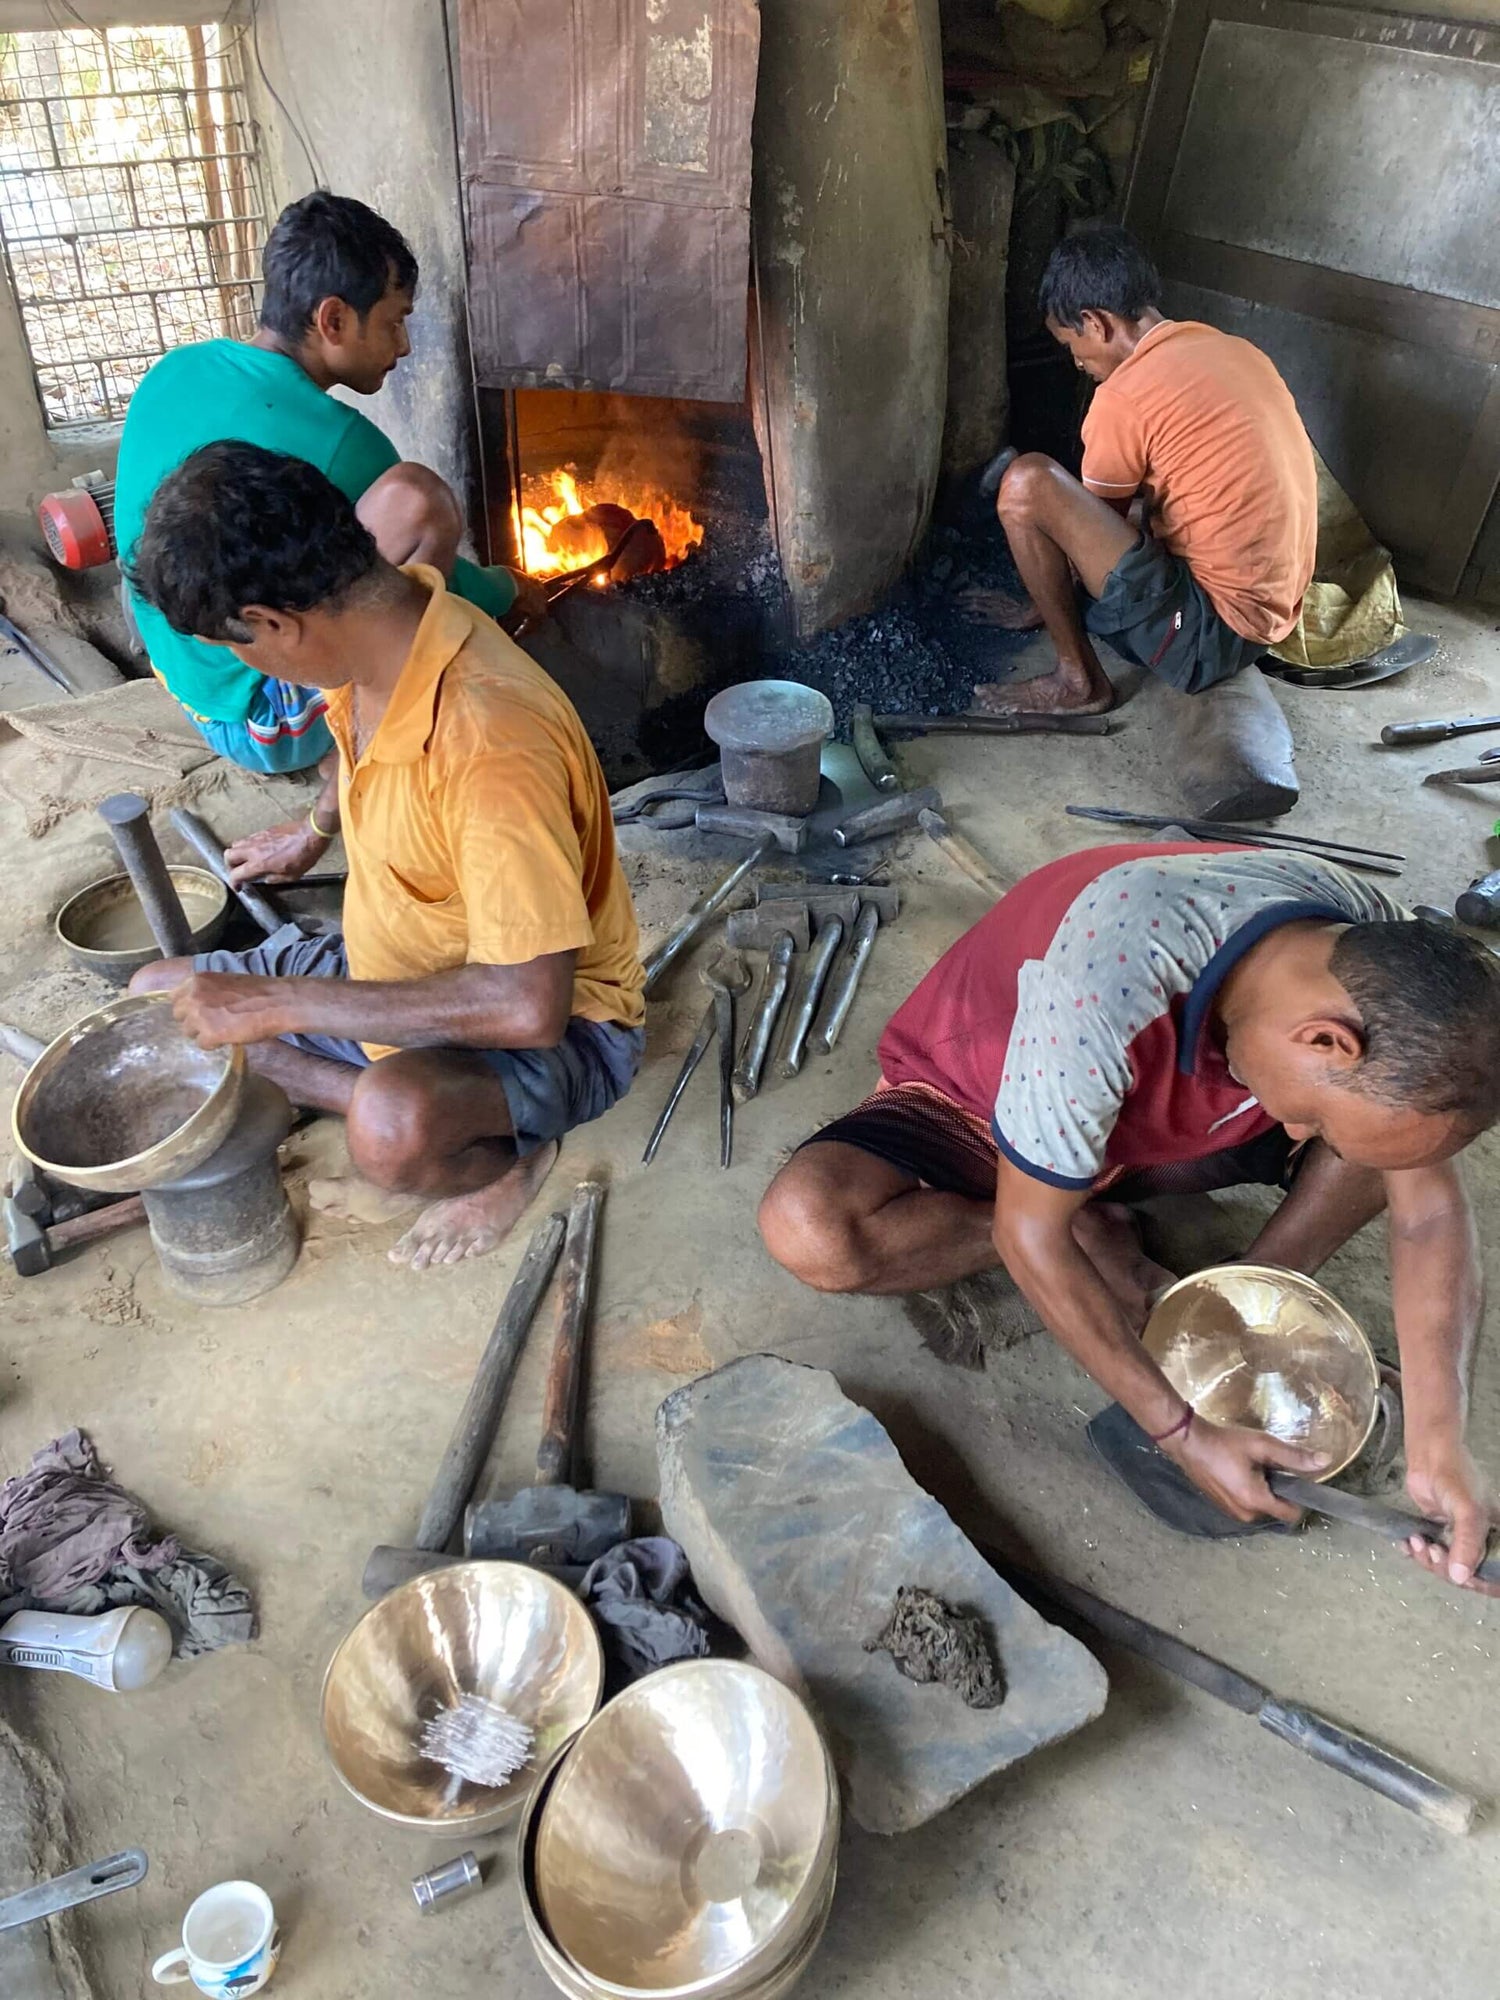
(565, 1976)
(105, 929)
(687, 1845)
(500, 1630)
(123, 1100)
(1268, 1349)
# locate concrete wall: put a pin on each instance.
(369, 112)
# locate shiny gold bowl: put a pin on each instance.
(123, 1100)
(688, 1844)
(500, 1630)
(1271, 1350)
(105, 929)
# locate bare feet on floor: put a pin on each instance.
(348, 1198)
(1107, 1233)
(1050, 694)
(471, 1225)
(999, 609)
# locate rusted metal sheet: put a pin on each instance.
(606, 164)
(1324, 181)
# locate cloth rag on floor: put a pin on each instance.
(71, 1540)
(640, 1593)
(1352, 609)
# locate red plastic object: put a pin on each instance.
(78, 536)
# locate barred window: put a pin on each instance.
(131, 211)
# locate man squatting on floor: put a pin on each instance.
(1194, 529)
(1132, 1021)
(339, 286)
(489, 958)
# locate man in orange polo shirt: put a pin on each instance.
(486, 994)
(1193, 530)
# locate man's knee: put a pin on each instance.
(810, 1232)
(1026, 484)
(413, 515)
(393, 1124)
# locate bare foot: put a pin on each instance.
(349, 1199)
(1106, 1233)
(999, 609)
(1049, 694)
(471, 1225)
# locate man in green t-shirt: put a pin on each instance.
(339, 287)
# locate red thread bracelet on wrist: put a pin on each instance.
(1181, 1424)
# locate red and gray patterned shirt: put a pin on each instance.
(1075, 1016)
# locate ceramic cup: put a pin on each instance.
(230, 1943)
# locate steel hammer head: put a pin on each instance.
(555, 1521)
(26, 1239)
(748, 823)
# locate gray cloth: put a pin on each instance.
(71, 1540)
(548, 1091)
(640, 1593)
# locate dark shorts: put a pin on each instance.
(549, 1091)
(923, 1133)
(1154, 611)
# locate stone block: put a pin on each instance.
(800, 1522)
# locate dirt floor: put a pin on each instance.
(1170, 1845)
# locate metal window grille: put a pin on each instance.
(131, 212)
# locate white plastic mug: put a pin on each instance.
(230, 1943)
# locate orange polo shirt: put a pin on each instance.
(1201, 424)
(477, 823)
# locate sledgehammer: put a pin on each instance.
(923, 808)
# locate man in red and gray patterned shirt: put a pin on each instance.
(1131, 1021)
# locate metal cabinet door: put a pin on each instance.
(606, 170)
(1326, 182)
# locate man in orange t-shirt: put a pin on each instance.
(485, 995)
(1194, 528)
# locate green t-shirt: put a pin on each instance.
(218, 389)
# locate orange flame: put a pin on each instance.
(557, 535)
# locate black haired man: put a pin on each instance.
(486, 994)
(340, 283)
(1193, 432)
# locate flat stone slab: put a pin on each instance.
(801, 1522)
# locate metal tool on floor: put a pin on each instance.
(750, 823)
(474, 1433)
(1485, 772)
(1306, 1729)
(977, 722)
(870, 751)
(726, 977)
(554, 1521)
(1479, 904)
(739, 977)
(844, 983)
(700, 914)
(757, 929)
(815, 973)
(124, 1870)
(922, 808)
(843, 901)
(450, 1883)
(128, 818)
(35, 1246)
(768, 1004)
(1396, 735)
(1372, 860)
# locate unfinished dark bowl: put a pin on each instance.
(105, 929)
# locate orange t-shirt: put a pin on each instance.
(477, 823)
(1201, 424)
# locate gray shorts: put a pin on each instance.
(1154, 611)
(549, 1091)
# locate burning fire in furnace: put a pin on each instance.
(567, 523)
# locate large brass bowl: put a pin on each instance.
(123, 1100)
(501, 1630)
(105, 929)
(754, 1984)
(687, 1846)
(1249, 1344)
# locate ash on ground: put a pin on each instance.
(931, 1642)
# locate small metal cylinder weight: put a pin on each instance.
(225, 1233)
(449, 1884)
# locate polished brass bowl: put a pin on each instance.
(123, 1100)
(756, 1983)
(686, 1846)
(500, 1630)
(1271, 1350)
(104, 927)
